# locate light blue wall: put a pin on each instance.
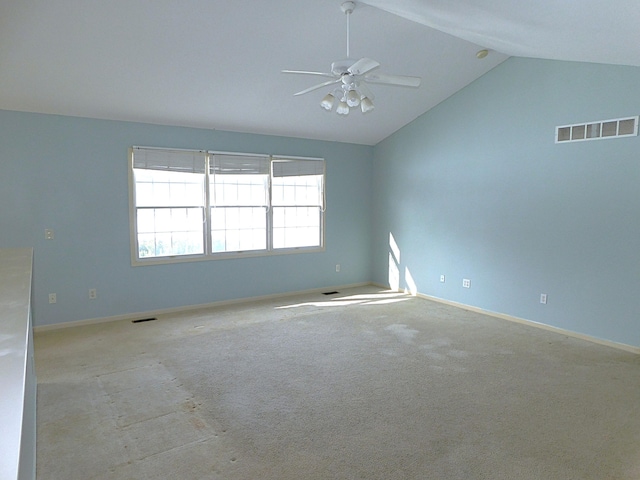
(476, 188)
(70, 174)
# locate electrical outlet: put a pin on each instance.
(337, 267)
(466, 283)
(93, 294)
(441, 278)
(48, 234)
(52, 298)
(543, 298)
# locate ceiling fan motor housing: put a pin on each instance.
(342, 66)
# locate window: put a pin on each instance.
(196, 205)
(298, 202)
(170, 199)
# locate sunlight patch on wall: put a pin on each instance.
(394, 274)
(395, 250)
(394, 263)
(411, 287)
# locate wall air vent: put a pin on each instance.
(619, 127)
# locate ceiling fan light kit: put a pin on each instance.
(352, 77)
(327, 101)
(343, 108)
(366, 105)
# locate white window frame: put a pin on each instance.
(285, 166)
(136, 260)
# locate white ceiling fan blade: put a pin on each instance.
(364, 90)
(304, 72)
(363, 66)
(400, 80)
(315, 87)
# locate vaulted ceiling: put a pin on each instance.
(217, 64)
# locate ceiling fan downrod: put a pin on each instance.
(351, 97)
(347, 8)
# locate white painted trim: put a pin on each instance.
(221, 303)
(17, 374)
(530, 323)
(187, 308)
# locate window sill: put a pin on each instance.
(141, 262)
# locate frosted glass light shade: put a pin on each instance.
(353, 99)
(366, 105)
(327, 102)
(343, 108)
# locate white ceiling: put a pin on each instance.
(217, 64)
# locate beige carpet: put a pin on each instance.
(362, 384)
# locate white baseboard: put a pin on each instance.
(187, 308)
(531, 323)
(169, 311)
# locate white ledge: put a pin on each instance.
(16, 365)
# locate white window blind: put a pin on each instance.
(187, 161)
(288, 167)
(225, 164)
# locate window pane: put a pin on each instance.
(169, 231)
(232, 219)
(235, 190)
(144, 194)
(303, 190)
(296, 227)
(146, 221)
(278, 238)
(278, 216)
(245, 218)
(217, 218)
(229, 194)
(236, 229)
(289, 195)
(146, 245)
(232, 240)
(163, 244)
(155, 188)
(218, 243)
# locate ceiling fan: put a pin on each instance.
(350, 78)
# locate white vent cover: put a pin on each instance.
(618, 127)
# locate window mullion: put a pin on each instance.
(207, 208)
(270, 207)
